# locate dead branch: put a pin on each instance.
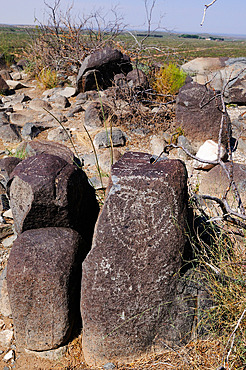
(205, 10)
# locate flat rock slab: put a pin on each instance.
(130, 276)
(43, 279)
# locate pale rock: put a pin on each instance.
(9, 355)
(209, 151)
(8, 214)
(9, 241)
(2, 324)
(15, 85)
(6, 337)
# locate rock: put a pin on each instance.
(52, 355)
(15, 85)
(131, 272)
(157, 144)
(68, 92)
(94, 115)
(20, 119)
(215, 182)
(6, 230)
(4, 118)
(5, 308)
(6, 337)
(10, 133)
(103, 139)
(104, 63)
(198, 114)
(9, 355)
(105, 160)
(22, 63)
(203, 65)
(8, 242)
(2, 324)
(39, 105)
(60, 102)
(43, 278)
(46, 191)
(41, 147)
(7, 165)
(59, 134)
(75, 110)
(4, 87)
(109, 366)
(30, 130)
(5, 74)
(137, 80)
(209, 151)
(17, 76)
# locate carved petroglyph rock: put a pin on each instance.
(130, 276)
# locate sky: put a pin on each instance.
(224, 17)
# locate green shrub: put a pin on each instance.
(169, 79)
(47, 78)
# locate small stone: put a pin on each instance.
(8, 214)
(209, 151)
(109, 366)
(9, 355)
(102, 139)
(6, 337)
(9, 241)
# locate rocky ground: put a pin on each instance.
(145, 138)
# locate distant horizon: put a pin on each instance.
(145, 30)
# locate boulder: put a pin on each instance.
(104, 139)
(130, 276)
(198, 114)
(105, 64)
(43, 280)
(94, 115)
(45, 147)
(47, 191)
(215, 182)
(7, 165)
(39, 105)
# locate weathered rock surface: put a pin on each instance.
(10, 133)
(209, 151)
(5, 308)
(43, 278)
(94, 115)
(46, 191)
(215, 182)
(102, 139)
(4, 88)
(130, 276)
(198, 114)
(105, 64)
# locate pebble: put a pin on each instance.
(6, 337)
(109, 366)
(9, 355)
(9, 241)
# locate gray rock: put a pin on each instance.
(30, 130)
(75, 110)
(52, 355)
(6, 337)
(10, 133)
(5, 308)
(5, 74)
(94, 115)
(59, 134)
(60, 102)
(109, 366)
(43, 278)
(39, 105)
(15, 85)
(20, 119)
(4, 87)
(131, 272)
(103, 139)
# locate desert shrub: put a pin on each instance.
(47, 78)
(221, 269)
(169, 79)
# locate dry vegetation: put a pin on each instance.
(221, 264)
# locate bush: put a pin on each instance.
(47, 78)
(169, 80)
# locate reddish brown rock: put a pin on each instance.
(4, 88)
(198, 114)
(43, 280)
(46, 191)
(130, 276)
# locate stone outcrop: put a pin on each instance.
(130, 276)
(43, 278)
(199, 115)
(104, 64)
(46, 191)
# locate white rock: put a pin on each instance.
(209, 151)
(8, 214)
(9, 355)
(2, 324)
(9, 241)
(5, 337)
